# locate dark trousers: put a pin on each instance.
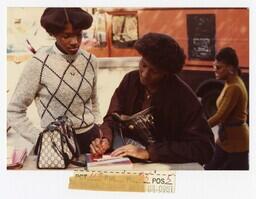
(223, 160)
(84, 139)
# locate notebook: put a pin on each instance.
(108, 163)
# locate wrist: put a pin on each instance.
(146, 155)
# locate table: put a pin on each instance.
(30, 164)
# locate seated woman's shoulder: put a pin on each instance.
(134, 75)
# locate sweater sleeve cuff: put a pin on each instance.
(153, 156)
(107, 133)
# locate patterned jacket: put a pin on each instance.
(60, 85)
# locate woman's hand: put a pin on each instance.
(131, 150)
(99, 146)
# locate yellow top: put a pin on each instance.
(232, 109)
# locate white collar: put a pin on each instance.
(68, 57)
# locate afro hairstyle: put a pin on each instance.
(54, 20)
(162, 51)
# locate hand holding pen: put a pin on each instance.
(99, 145)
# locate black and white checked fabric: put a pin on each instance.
(59, 84)
(68, 86)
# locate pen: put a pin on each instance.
(99, 145)
(101, 136)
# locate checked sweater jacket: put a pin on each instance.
(60, 84)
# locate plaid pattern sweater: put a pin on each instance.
(60, 84)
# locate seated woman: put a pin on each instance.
(61, 79)
(232, 145)
(181, 132)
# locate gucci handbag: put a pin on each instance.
(56, 146)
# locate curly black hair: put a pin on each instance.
(54, 20)
(162, 51)
(228, 56)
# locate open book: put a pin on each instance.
(108, 163)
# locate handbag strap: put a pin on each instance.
(65, 131)
(77, 163)
(38, 143)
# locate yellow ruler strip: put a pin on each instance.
(124, 181)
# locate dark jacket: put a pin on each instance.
(181, 127)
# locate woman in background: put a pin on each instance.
(61, 79)
(232, 145)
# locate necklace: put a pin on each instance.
(148, 95)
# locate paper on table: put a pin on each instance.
(15, 157)
(19, 156)
(106, 157)
(108, 163)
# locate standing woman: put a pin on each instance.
(232, 146)
(61, 79)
